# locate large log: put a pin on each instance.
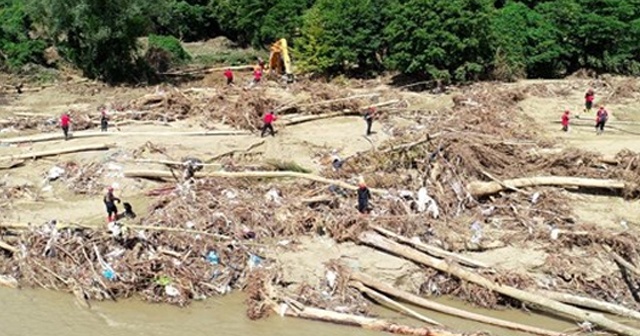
(363, 322)
(68, 150)
(250, 174)
(92, 134)
(382, 243)
(478, 188)
(432, 250)
(402, 308)
(7, 247)
(431, 305)
(590, 303)
(304, 119)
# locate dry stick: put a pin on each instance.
(363, 322)
(621, 261)
(495, 179)
(591, 304)
(234, 151)
(78, 135)
(382, 243)
(479, 188)
(152, 228)
(428, 304)
(11, 164)
(432, 250)
(343, 113)
(36, 155)
(8, 247)
(97, 277)
(250, 174)
(402, 308)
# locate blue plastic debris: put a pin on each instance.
(213, 258)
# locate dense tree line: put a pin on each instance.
(448, 40)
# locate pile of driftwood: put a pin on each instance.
(474, 178)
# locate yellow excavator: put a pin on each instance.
(279, 60)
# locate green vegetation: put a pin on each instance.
(446, 40)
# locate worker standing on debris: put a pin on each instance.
(268, 120)
(104, 120)
(110, 202)
(257, 75)
(368, 117)
(601, 118)
(65, 120)
(588, 100)
(565, 121)
(363, 197)
(228, 74)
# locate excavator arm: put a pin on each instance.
(279, 60)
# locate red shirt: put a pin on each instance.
(64, 120)
(228, 74)
(257, 74)
(589, 97)
(602, 115)
(565, 120)
(269, 118)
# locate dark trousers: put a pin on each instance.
(267, 127)
(565, 128)
(112, 210)
(600, 125)
(104, 124)
(369, 123)
(229, 81)
(65, 130)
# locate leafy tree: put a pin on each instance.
(189, 20)
(98, 36)
(442, 39)
(532, 51)
(341, 36)
(16, 47)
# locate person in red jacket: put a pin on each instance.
(268, 119)
(65, 120)
(588, 100)
(565, 121)
(228, 74)
(601, 118)
(257, 75)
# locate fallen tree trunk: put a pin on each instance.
(11, 164)
(35, 155)
(590, 303)
(79, 135)
(250, 174)
(620, 260)
(428, 304)
(382, 243)
(207, 70)
(437, 252)
(402, 308)
(305, 119)
(363, 322)
(487, 188)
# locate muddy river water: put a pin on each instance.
(46, 313)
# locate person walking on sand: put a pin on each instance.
(601, 118)
(268, 120)
(104, 120)
(588, 100)
(363, 197)
(65, 120)
(368, 117)
(565, 121)
(228, 74)
(110, 202)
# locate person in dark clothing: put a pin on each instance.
(368, 117)
(104, 120)
(601, 118)
(65, 120)
(268, 120)
(110, 202)
(363, 197)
